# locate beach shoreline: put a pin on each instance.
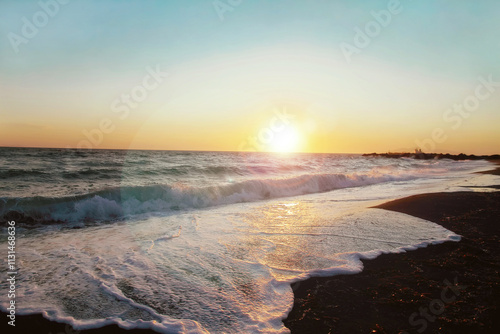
(412, 292)
(392, 287)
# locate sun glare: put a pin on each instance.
(285, 141)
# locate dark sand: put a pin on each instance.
(393, 287)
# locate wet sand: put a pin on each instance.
(446, 288)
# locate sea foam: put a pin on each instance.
(120, 202)
(227, 269)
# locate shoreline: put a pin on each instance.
(431, 156)
(412, 292)
(392, 287)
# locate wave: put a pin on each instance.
(103, 173)
(218, 170)
(40, 174)
(14, 173)
(122, 202)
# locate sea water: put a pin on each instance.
(201, 242)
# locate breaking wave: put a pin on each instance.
(121, 202)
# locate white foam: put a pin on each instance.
(228, 271)
(123, 202)
(220, 269)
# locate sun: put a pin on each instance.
(285, 141)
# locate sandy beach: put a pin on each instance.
(415, 292)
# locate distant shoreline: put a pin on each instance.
(431, 156)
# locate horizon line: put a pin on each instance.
(222, 151)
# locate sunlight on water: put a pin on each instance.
(226, 269)
(201, 242)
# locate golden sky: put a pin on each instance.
(182, 76)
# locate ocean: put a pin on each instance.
(202, 242)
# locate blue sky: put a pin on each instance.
(262, 54)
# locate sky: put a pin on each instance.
(254, 75)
